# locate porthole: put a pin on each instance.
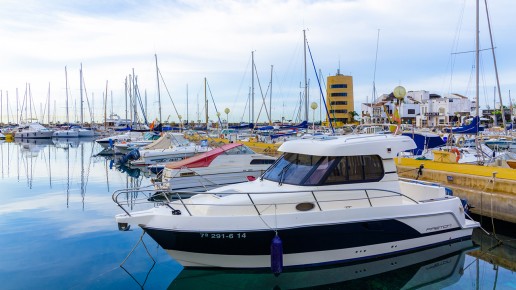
(305, 206)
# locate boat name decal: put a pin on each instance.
(438, 228)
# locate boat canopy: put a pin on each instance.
(384, 145)
(204, 159)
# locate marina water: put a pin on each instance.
(57, 231)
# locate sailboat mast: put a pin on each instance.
(105, 107)
(495, 66)
(81, 105)
(66, 88)
(7, 101)
(187, 120)
(270, 99)
(159, 94)
(306, 80)
(206, 104)
(252, 86)
(477, 57)
(48, 103)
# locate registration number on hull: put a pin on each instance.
(223, 235)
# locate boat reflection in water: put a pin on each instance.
(432, 268)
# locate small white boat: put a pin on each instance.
(2, 136)
(66, 133)
(326, 200)
(33, 131)
(81, 132)
(169, 147)
(126, 137)
(231, 163)
(147, 139)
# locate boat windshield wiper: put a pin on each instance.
(282, 173)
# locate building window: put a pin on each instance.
(336, 103)
(411, 111)
(339, 94)
(339, 86)
(338, 111)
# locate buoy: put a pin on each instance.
(276, 255)
(457, 152)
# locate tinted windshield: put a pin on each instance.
(298, 169)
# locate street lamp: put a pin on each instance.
(226, 110)
(313, 105)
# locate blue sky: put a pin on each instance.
(214, 39)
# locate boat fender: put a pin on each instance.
(111, 143)
(276, 255)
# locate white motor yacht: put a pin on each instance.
(169, 147)
(327, 199)
(127, 137)
(231, 163)
(33, 131)
(65, 133)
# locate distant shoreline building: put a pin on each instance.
(419, 108)
(339, 99)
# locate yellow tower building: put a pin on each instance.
(339, 98)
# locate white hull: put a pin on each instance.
(66, 134)
(341, 230)
(188, 259)
(34, 135)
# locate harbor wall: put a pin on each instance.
(490, 196)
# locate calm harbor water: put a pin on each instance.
(57, 231)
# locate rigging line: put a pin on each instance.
(471, 51)
(214, 104)
(375, 62)
(139, 99)
(455, 44)
(90, 109)
(320, 88)
(245, 107)
(263, 98)
(242, 80)
(170, 96)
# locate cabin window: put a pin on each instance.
(262, 161)
(239, 150)
(352, 169)
(299, 169)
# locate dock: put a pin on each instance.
(490, 190)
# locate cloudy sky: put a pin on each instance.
(418, 45)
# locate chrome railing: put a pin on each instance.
(131, 197)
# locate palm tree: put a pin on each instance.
(352, 115)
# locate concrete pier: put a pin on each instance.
(491, 190)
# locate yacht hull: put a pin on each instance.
(244, 241)
(34, 135)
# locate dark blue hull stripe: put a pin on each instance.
(295, 240)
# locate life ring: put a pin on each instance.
(461, 141)
(457, 152)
